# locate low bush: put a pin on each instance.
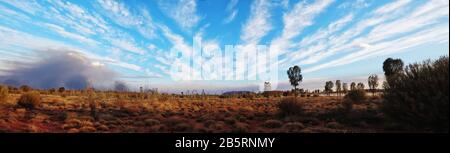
(293, 127)
(290, 106)
(358, 95)
(273, 123)
(3, 93)
(29, 100)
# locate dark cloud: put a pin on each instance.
(60, 69)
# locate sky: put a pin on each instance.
(50, 43)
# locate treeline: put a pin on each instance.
(414, 96)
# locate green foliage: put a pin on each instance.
(295, 76)
(418, 97)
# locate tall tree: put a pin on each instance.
(373, 83)
(392, 69)
(295, 77)
(345, 87)
(329, 87)
(360, 86)
(392, 66)
(353, 86)
(338, 87)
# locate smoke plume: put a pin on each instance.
(66, 69)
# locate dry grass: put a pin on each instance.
(120, 112)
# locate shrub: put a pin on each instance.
(230, 121)
(29, 100)
(87, 129)
(3, 93)
(290, 106)
(293, 127)
(418, 97)
(273, 124)
(103, 128)
(73, 130)
(240, 128)
(333, 125)
(25, 88)
(347, 105)
(182, 127)
(358, 95)
(61, 89)
(151, 122)
(62, 116)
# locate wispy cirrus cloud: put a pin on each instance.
(389, 34)
(258, 24)
(231, 10)
(60, 30)
(184, 12)
(122, 15)
(295, 20)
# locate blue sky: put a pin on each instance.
(328, 39)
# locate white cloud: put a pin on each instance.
(64, 33)
(177, 41)
(11, 39)
(431, 35)
(258, 24)
(358, 4)
(398, 31)
(77, 18)
(121, 14)
(231, 9)
(392, 6)
(118, 12)
(346, 41)
(184, 12)
(127, 45)
(231, 16)
(29, 6)
(295, 20)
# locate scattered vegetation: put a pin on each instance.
(418, 94)
(414, 99)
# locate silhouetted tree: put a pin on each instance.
(360, 86)
(353, 86)
(338, 87)
(345, 87)
(329, 87)
(61, 89)
(373, 83)
(392, 66)
(295, 77)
